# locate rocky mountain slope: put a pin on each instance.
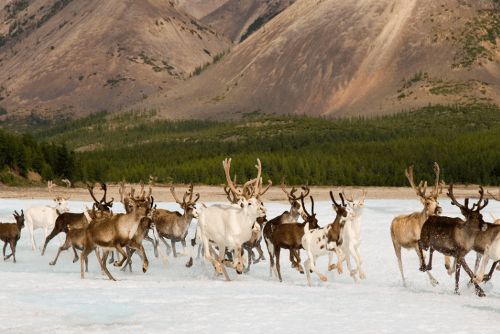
(342, 57)
(77, 57)
(316, 57)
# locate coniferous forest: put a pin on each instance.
(372, 152)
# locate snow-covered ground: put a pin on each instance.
(36, 297)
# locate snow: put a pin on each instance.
(53, 299)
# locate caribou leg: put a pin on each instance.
(103, 264)
(123, 254)
(52, 234)
(65, 246)
(490, 274)
(469, 272)
(166, 245)
(277, 256)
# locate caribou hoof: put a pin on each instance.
(75, 259)
(332, 267)
(434, 282)
(363, 276)
(218, 268)
(116, 264)
(423, 269)
(429, 268)
(189, 264)
(323, 278)
(52, 263)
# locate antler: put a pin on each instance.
(304, 207)
(50, 185)
(190, 201)
(438, 184)
(495, 197)
(262, 192)
(348, 198)
(422, 186)
(172, 190)
(291, 194)
(478, 204)
(121, 191)
(91, 191)
(226, 164)
(454, 200)
(342, 198)
(66, 182)
(333, 200)
(305, 189)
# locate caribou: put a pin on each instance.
(405, 229)
(255, 240)
(454, 236)
(174, 225)
(10, 234)
(322, 241)
(78, 220)
(44, 216)
(289, 236)
(287, 217)
(351, 238)
(230, 226)
(116, 232)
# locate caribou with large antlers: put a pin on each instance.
(453, 236)
(405, 229)
(174, 225)
(230, 226)
(115, 233)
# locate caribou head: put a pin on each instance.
(430, 201)
(187, 203)
(249, 196)
(472, 215)
(296, 207)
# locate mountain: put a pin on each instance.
(341, 57)
(238, 19)
(199, 8)
(329, 58)
(60, 57)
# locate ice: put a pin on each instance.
(36, 297)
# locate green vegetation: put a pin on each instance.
(464, 140)
(21, 153)
(16, 6)
(199, 69)
(450, 88)
(258, 23)
(479, 38)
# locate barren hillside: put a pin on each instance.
(238, 19)
(199, 8)
(79, 57)
(342, 57)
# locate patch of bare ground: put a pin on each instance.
(216, 193)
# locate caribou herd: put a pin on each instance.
(225, 231)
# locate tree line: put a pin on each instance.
(465, 140)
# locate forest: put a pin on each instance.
(465, 140)
(20, 154)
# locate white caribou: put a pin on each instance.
(229, 226)
(44, 216)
